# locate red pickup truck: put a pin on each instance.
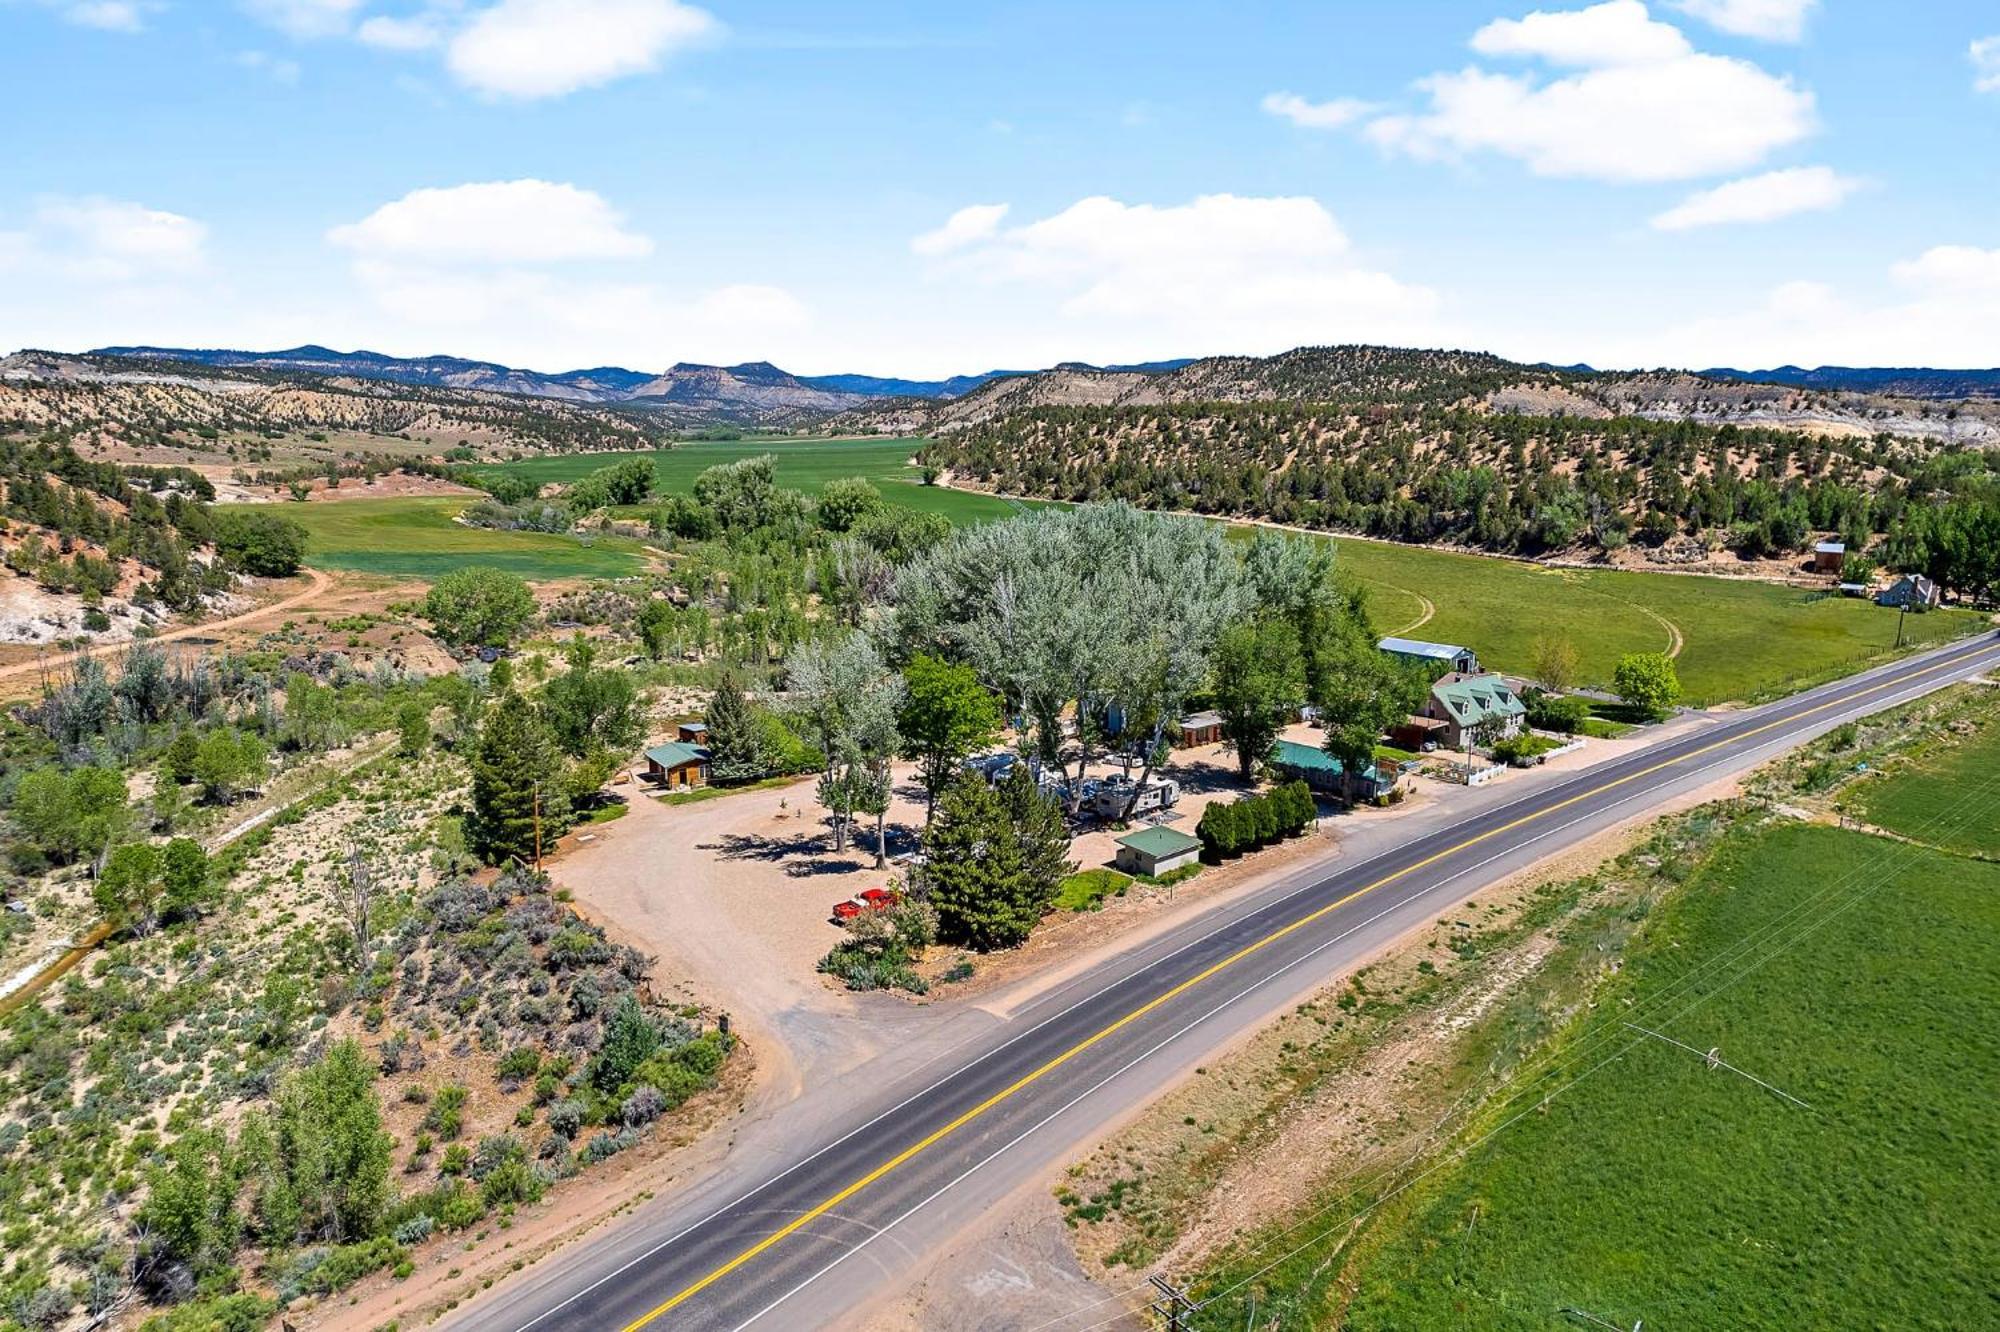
(868, 899)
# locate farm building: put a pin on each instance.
(1323, 772)
(1201, 728)
(1466, 704)
(1829, 557)
(1444, 656)
(678, 765)
(1419, 735)
(1910, 592)
(1155, 851)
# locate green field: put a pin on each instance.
(1928, 800)
(802, 464)
(1740, 639)
(416, 538)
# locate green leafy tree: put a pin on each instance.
(413, 728)
(1260, 680)
(1555, 663)
(591, 707)
(228, 763)
(1367, 692)
(187, 881)
(479, 606)
(946, 717)
(656, 621)
(849, 699)
(127, 890)
(1647, 682)
(312, 714)
(72, 815)
(517, 763)
(177, 764)
(189, 1217)
(329, 1170)
(845, 501)
(268, 545)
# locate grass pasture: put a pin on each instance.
(1740, 639)
(417, 538)
(1928, 798)
(1659, 1190)
(801, 464)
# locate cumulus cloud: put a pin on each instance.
(1985, 55)
(1220, 271)
(1618, 32)
(106, 240)
(1764, 198)
(305, 18)
(546, 48)
(416, 32)
(507, 221)
(1771, 20)
(1334, 114)
(106, 15)
(1937, 309)
(977, 222)
(1642, 106)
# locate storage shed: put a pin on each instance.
(677, 765)
(1156, 851)
(1443, 656)
(1201, 728)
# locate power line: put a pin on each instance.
(1713, 1057)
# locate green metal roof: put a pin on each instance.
(677, 752)
(1159, 842)
(1477, 698)
(1309, 758)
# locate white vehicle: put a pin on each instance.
(1113, 794)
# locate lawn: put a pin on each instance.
(1086, 890)
(1657, 1189)
(1741, 639)
(416, 538)
(1935, 799)
(802, 464)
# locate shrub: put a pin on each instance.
(565, 1118)
(643, 1106)
(1556, 712)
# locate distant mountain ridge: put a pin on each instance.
(1902, 382)
(748, 390)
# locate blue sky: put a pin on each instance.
(906, 188)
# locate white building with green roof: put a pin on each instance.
(1484, 708)
(1157, 850)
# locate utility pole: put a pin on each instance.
(538, 825)
(1902, 611)
(1172, 1302)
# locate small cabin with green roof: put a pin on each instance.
(678, 765)
(1326, 774)
(1157, 850)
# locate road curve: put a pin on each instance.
(797, 1229)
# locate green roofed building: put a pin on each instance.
(1157, 850)
(678, 765)
(1468, 704)
(1323, 772)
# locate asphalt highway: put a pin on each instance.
(801, 1231)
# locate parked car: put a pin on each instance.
(846, 911)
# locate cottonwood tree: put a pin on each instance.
(1260, 680)
(1555, 663)
(848, 698)
(1647, 681)
(1078, 613)
(947, 715)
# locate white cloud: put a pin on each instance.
(113, 239)
(976, 222)
(1644, 106)
(1772, 20)
(419, 32)
(1938, 309)
(1248, 274)
(546, 48)
(1618, 32)
(276, 68)
(508, 221)
(306, 18)
(1334, 114)
(108, 15)
(1764, 198)
(1985, 55)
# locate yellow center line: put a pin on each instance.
(1248, 950)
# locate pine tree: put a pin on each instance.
(515, 764)
(735, 741)
(1042, 837)
(974, 869)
